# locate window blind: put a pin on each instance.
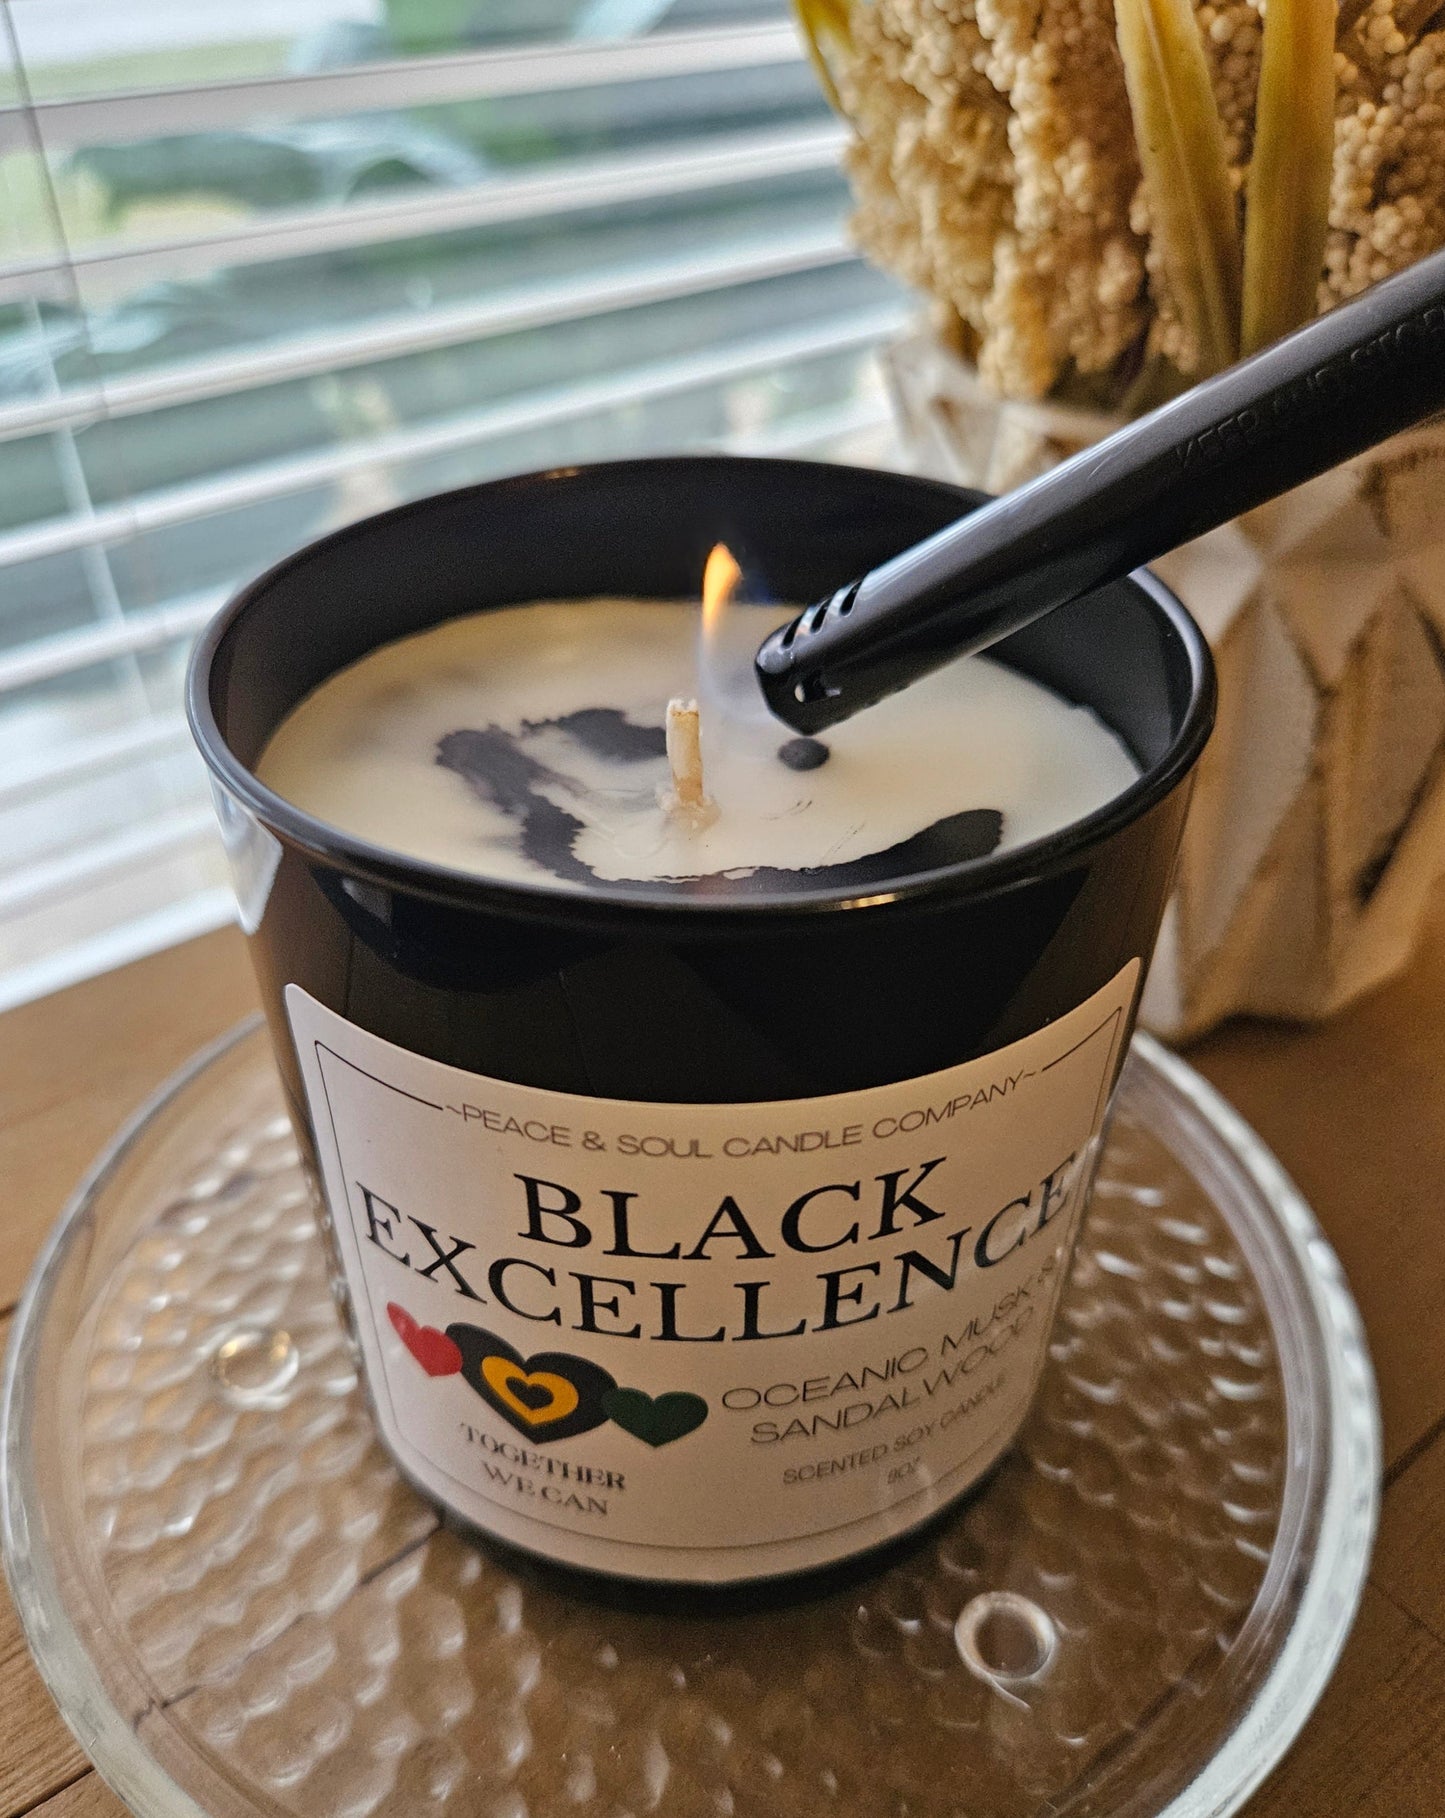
(265, 268)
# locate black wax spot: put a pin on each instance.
(803, 754)
(492, 764)
(971, 834)
(607, 733)
(489, 761)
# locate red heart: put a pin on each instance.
(433, 1350)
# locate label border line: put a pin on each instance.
(1083, 1042)
(415, 1097)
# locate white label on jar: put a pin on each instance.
(705, 1342)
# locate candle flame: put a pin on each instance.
(719, 582)
(727, 637)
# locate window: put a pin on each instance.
(267, 265)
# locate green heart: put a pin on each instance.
(658, 1420)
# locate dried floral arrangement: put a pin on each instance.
(1103, 201)
(1107, 199)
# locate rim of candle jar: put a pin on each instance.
(606, 901)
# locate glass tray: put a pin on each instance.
(241, 1610)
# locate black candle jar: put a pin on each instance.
(697, 1241)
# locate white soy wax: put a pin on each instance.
(527, 744)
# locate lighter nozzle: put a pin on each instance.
(790, 672)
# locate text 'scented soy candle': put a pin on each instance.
(704, 1116)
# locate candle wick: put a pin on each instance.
(687, 797)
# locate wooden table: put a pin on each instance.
(1355, 1110)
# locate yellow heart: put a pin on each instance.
(500, 1372)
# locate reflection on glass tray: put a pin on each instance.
(241, 1608)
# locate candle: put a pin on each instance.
(703, 1115)
(531, 743)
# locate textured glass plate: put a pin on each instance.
(242, 1610)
